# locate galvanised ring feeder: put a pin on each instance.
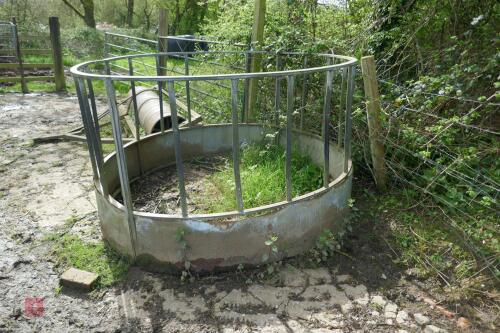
(152, 239)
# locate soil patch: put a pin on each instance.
(210, 186)
(158, 192)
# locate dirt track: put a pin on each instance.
(42, 186)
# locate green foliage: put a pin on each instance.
(180, 237)
(293, 25)
(83, 43)
(326, 245)
(262, 170)
(71, 251)
(434, 242)
(330, 242)
(273, 248)
(439, 96)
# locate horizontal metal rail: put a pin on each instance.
(182, 73)
(123, 48)
(191, 88)
(179, 72)
(131, 37)
(79, 70)
(217, 64)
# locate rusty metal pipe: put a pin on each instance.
(148, 105)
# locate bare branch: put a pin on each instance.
(73, 8)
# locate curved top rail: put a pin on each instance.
(80, 69)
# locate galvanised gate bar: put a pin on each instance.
(320, 94)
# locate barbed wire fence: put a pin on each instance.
(425, 146)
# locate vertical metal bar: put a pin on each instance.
(134, 99)
(326, 127)
(304, 95)
(93, 104)
(177, 147)
(188, 92)
(136, 114)
(277, 91)
(289, 120)
(106, 45)
(107, 67)
(122, 163)
(160, 94)
(328, 63)
(87, 118)
(95, 122)
(342, 106)
(162, 40)
(348, 118)
(246, 88)
(79, 86)
(236, 145)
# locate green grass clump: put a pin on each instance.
(98, 258)
(262, 170)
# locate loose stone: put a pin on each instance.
(434, 329)
(421, 319)
(379, 301)
(79, 279)
(402, 317)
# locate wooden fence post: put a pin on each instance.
(163, 42)
(55, 39)
(19, 56)
(373, 110)
(257, 41)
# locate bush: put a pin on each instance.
(83, 42)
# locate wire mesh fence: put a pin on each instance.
(7, 41)
(443, 146)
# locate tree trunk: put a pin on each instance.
(130, 12)
(147, 15)
(88, 9)
(177, 19)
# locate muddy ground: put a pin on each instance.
(158, 192)
(43, 186)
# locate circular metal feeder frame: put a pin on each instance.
(153, 240)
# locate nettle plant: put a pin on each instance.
(329, 242)
(180, 237)
(273, 253)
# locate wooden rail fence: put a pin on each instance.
(17, 52)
